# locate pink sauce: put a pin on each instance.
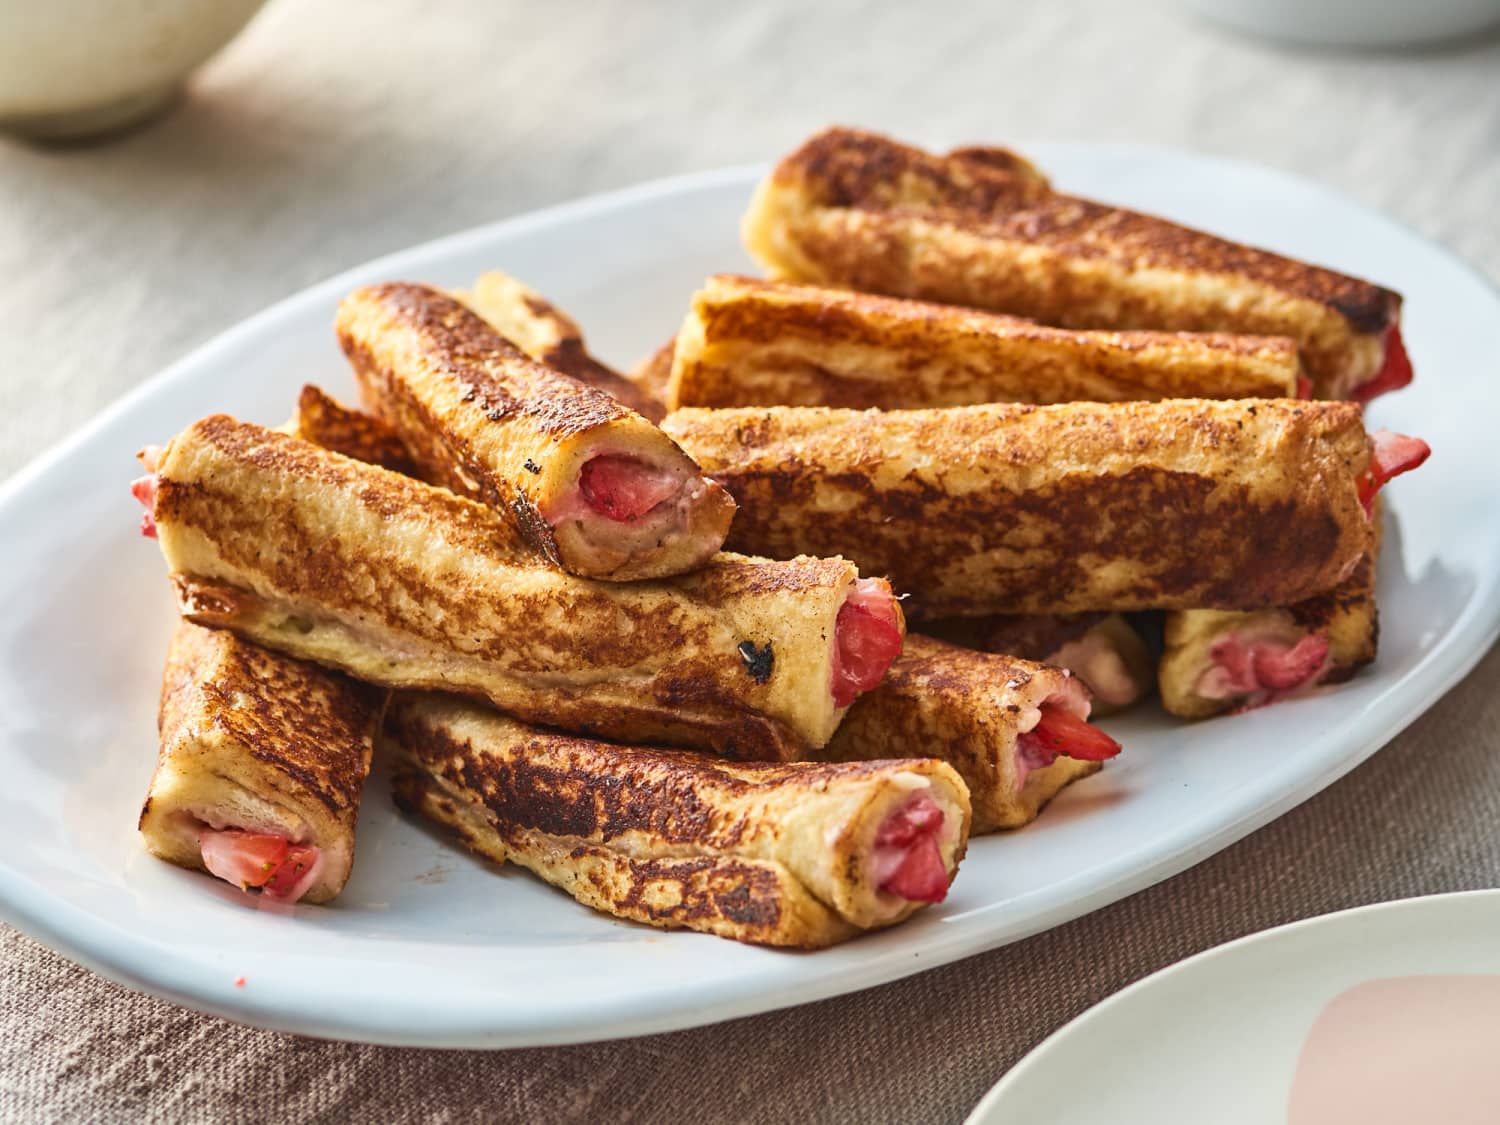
(1395, 372)
(624, 489)
(907, 861)
(282, 870)
(867, 640)
(1403, 1051)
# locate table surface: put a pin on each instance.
(331, 133)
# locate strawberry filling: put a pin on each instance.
(144, 490)
(1263, 669)
(1304, 387)
(866, 640)
(623, 488)
(282, 870)
(1391, 455)
(1395, 372)
(1060, 733)
(907, 860)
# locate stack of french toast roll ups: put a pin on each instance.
(752, 640)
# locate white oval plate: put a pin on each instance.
(428, 946)
(1379, 1015)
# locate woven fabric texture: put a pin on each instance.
(334, 132)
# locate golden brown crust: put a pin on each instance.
(756, 343)
(1033, 636)
(1102, 650)
(765, 853)
(1053, 509)
(853, 168)
(323, 420)
(965, 708)
(550, 336)
(485, 421)
(312, 725)
(860, 210)
(655, 371)
(251, 733)
(402, 584)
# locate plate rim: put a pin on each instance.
(115, 952)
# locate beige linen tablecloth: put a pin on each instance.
(337, 131)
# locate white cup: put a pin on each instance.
(1355, 23)
(77, 68)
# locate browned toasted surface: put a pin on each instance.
(965, 708)
(499, 379)
(486, 421)
(654, 372)
(853, 168)
(311, 725)
(403, 584)
(1053, 509)
(850, 168)
(856, 209)
(566, 785)
(767, 853)
(454, 389)
(323, 420)
(744, 900)
(753, 343)
(1034, 636)
(548, 334)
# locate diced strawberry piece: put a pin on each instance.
(1282, 669)
(917, 817)
(1061, 732)
(867, 638)
(623, 488)
(1391, 455)
(920, 876)
(246, 859)
(1304, 387)
(144, 490)
(286, 882)
(1395, 372)
(907, 858)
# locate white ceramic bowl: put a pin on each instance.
(76, 68)
(1355, 23)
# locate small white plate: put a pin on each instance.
(1382, 1015)
(428, 946)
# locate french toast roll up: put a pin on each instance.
(1180, 504)
(587, 481)
(654, 373)
(764, 343)
(1220, 660)
(796, 854)
(262, 762)
(323, 420)
(550, 336)
(1102, 650)
(405, 585)
(860, 210)
(1016, 731)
